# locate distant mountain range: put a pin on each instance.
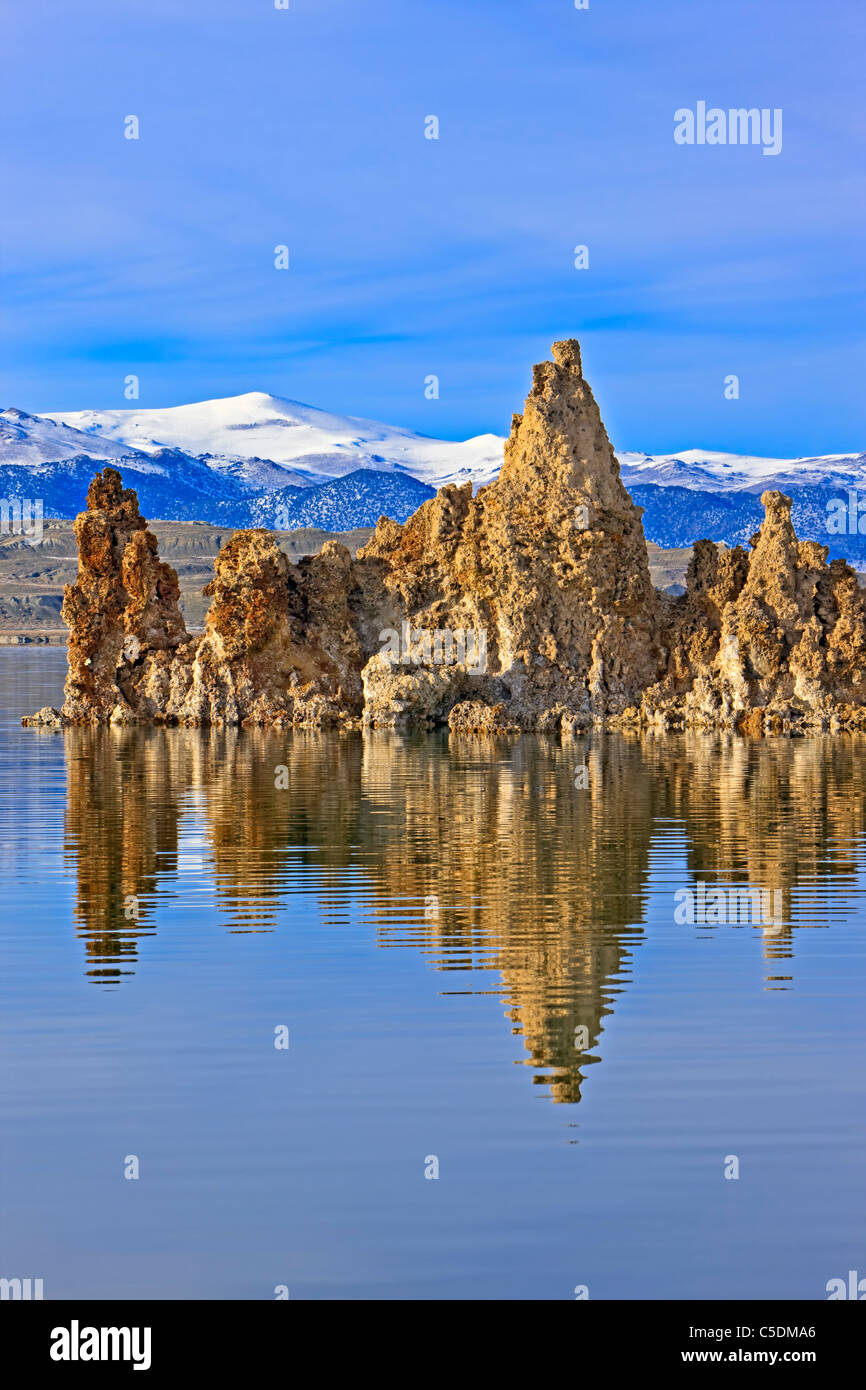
(239, 462)
(706, 471)
(263, 432)
(258, 460)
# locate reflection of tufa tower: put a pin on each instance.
(483, 854)
(124, 789)
(532, 878)
(130, 794)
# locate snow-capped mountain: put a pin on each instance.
(30, 440)
(261, 440)
(314, 443)
(342, 482)
(710, 471)
(256, 459)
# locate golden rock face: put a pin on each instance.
(527, 606)
(549, 561)
(123, 610)
(767, 642)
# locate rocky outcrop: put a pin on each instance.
(767, 642)
(279, 644)
(123, 611)
(527, 606)
(278, 648)
(547, 568)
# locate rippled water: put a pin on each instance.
(478, 962)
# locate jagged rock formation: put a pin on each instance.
(528, 606)
(549, 563)
(771, 641)
(278, 646)
(123, 611)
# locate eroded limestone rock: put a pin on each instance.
(123, 610)
(549, 562)
(278, 646)
(766, 642)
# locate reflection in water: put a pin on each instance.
(484, 855)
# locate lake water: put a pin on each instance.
(477, 964)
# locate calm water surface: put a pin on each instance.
(476, 961)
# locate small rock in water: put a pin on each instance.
(46, 717)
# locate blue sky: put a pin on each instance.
(452, 257)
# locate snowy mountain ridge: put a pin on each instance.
(245, 460)
(315, 443)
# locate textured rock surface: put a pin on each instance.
(768, 641)
(549, 562)
(278, 646)
(528, 606)
(123, 611)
